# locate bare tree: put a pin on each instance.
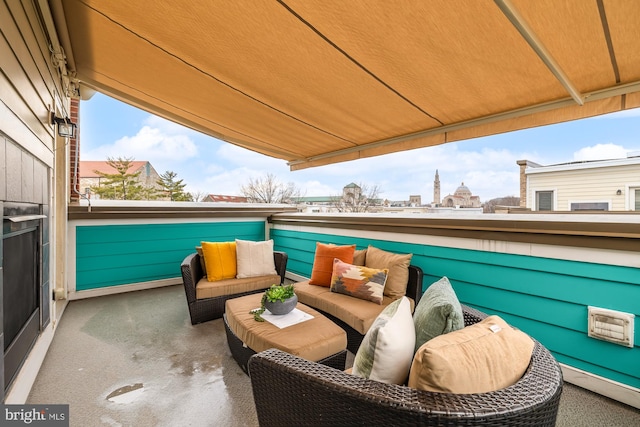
(197, 196)
(268, 189)
(357, 198)
(490, 206)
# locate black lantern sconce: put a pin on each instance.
(66, 128)
(619, 193)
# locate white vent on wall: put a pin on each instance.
(612, 326)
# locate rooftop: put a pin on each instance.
(135, 359)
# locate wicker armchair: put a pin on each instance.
(289, 391)
(203, 310)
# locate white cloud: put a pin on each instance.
(150, 144)
(167, 146)
(600, 152)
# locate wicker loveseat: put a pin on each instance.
(289, 391)
(354, 338)
(205, 309)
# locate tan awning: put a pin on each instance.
(318, 82)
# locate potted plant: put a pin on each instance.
(278, 299)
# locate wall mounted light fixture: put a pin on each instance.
(619, 193)
(66, 128)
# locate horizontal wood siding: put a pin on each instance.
(112, 255)
(29, 86)
(584, 185)
(547, 298)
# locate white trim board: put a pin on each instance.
(295, 277)
(119, 289)
(567, 253)
(603, 386)
(148, 221)
(26, 377)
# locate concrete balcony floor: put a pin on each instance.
(134, 359)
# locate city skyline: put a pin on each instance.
(486, 165)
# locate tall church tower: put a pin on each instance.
(436, 189)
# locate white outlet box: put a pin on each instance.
(612, 326)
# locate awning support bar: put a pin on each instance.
(527, 33)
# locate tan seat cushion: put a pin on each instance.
(206, 289)
(314, 339)
(355, 312)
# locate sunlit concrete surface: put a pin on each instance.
(134, 359)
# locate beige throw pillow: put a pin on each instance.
(359, 257)
(398, 265)
(487, 356)
(254, 258)
(386, 351)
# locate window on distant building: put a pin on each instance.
(590, 206)
(636, 201)
(544, 200)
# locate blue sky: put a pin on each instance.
(487, 166)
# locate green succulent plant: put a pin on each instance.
(273, 294)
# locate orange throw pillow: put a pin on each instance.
(323, 262)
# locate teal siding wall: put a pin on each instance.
(547, 298)
(111, 255)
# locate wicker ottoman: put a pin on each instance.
(318, 339)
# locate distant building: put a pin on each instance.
(593, 185)
(314, 204)
(219, 198)
(461, 198)
(324, 204)
(89, 178)
(436, 190)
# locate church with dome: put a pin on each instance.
(462, 197)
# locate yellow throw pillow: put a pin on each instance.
(220, 260)
(487, 356)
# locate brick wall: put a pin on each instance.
(74, 153)
(523, 183)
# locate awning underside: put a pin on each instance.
(318, 82)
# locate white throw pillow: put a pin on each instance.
(386, 351)
(254, 258)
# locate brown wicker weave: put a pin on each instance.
(289, 391)
(203, 310)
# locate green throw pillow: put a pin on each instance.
(437, 313)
